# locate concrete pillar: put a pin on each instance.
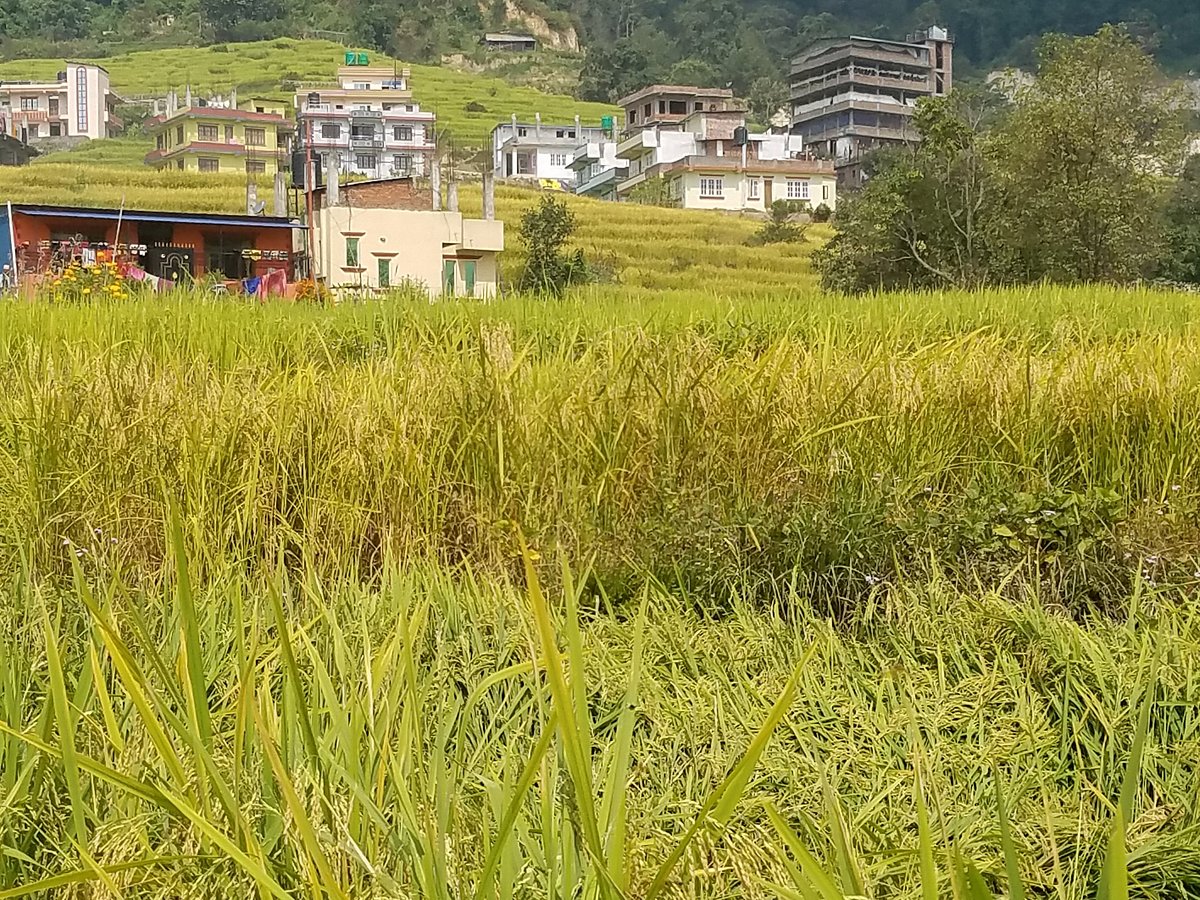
(452, 196)
(332, 188)
(187, 95)
(435, 182)
(280, 207)
(233, 98)
(489, 196)
(537, 124)
(251, 198)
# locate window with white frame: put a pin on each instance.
(559, 159)
(712, 187)
(402, 133)
(29, 103)
(824, 192)
(366, 160)
(797, 189)
(753, 189)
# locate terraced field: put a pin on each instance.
(265, 66)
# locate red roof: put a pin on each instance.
(219, 112)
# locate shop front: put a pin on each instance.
(177, 248)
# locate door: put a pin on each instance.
(448, 277)
(469, 277)
(384, 268)
(768, 191)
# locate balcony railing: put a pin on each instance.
(366, 113)
(366, 144)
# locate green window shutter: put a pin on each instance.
(385, 272)
(469, 277)
(352, 252)
(448, 277)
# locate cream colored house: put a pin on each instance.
(373, 236)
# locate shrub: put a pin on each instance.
(549, 268)
(476, 107)
(781, 228)
(822, 213)
(654, 191)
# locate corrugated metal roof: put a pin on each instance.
(135, 215)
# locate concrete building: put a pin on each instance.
(708, 159)
(77, 106)
(598, 169)
(367, 121)
(850, 95)
(662, 105)
(539, 151)
(220, 136)
(370, 236)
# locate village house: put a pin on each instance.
(851, 95)
(539, 151)
(220, 136)
(170, 245)
(367, 121)
(696, 141)
(598, 169)
(509, 42)
(76, 106)
(376, 235)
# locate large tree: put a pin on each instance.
(1082, 158)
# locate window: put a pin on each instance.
(559, 159)
(29, 103)
(331, 130)
(209, 165)
(712, 188)
(521, 132)
(256, 137)
(647, 110)
(797, 190)
(256, 167)
(402, 132)
(362, 132)
(55, 129)
(632, 116)
(824, 192)
(753, 188)
(678, 107)
(448, 277)
(385, 272)
(160, 142)
(366, 160)
(362, 85)
(699, 107)
(403, 164)
(53, 102)
(229, 134)
(662, 107)
(352, 252)
(81, 99)
(206, 133)
(32, 129)
(179, 135)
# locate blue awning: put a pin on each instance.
(224, 221)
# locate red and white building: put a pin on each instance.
(368, 121)
(77, 105)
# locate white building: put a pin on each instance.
(598, 169)
(368, 121)
(76, 106)
(535, 150)
(709, 160)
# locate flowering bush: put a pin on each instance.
(83, 283)
(310, 291)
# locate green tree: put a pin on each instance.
(926, 216)
(225, 18)
(767, 96)
(781, 226)
(549, 267)
(1182, 259)
(1081, 160)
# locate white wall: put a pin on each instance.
(735, 194)
(411, 240)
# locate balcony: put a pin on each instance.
(603, 182)
(637, 144)
(359, 143)
(366, 113)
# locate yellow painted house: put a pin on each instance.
(253, 139)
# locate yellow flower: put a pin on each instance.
(87, 290)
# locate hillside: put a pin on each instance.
(265, 67)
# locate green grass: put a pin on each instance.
(262, 67)
(637, 594)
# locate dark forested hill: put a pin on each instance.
(629, 42)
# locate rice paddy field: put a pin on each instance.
(270, 67)
(644, 593)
